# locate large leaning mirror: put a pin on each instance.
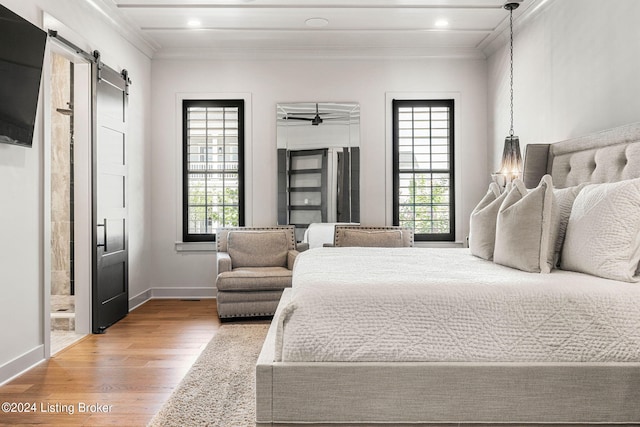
(318, 163)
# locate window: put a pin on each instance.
(213, 142)
(423, 187)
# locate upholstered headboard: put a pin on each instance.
(607, 156)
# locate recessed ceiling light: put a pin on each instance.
(194, 23)
(442, 23)
(317, 22)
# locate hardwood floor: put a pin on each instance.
(127, 373)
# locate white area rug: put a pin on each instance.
(219, 389)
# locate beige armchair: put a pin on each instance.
(254, 267)
(384, 236)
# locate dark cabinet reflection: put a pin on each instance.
(318, 163)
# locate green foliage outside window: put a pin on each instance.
(220, 211)
(426, 209)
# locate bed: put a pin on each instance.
(466, 345)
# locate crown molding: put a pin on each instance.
(500, 37)
(127, 29)
(370, 53)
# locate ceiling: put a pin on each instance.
(277, 28)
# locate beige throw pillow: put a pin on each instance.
(482, 225)
(603, 233)
(526, 228)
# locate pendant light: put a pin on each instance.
(511, 166)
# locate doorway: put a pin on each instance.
(85, 174)
(69, 200)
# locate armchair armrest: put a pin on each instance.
(291, 258)
(224, 262)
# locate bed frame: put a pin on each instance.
(428, 393)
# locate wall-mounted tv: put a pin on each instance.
(22, 46)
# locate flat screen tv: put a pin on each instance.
(22, 46)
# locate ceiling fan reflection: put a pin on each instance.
(315, 120)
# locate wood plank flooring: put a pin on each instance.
(127, 373)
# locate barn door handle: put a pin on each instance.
(104, 234)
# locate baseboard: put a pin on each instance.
(137, 300)
(21, 364)
(205, 292)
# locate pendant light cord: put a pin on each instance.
(511, 68)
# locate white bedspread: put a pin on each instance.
(418, 304)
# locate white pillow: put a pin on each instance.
(564, 199)
(603, 233)
(527, 228)
(482, 225)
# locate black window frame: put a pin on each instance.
(214, 103)
(396, 105)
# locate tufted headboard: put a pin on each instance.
(607, 156)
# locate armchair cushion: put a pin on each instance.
(254, 279)
(257, 248)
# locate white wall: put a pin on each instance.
(576, 71)
(22, 190)
(272, 82)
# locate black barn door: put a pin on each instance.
(110, 287)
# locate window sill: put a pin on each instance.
(185, 247)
